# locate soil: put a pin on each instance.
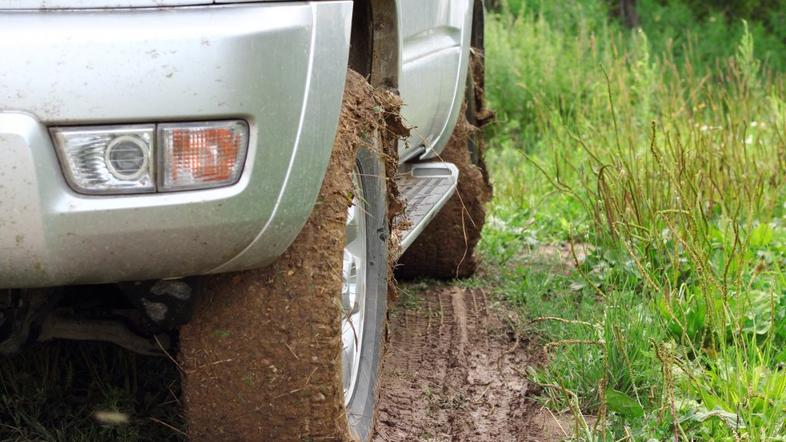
(482, 114)
(455, 371)
(479, 114)
(261, 356)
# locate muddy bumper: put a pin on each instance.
(279, 67)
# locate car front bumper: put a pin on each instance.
(280, 67)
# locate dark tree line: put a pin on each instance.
(771, 13)
(748, 9)
(626, 11)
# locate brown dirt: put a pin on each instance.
(260, 358)
(482, 114)
(455, 371)
(479, 114)
(445, 250)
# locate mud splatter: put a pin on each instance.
(261, 357)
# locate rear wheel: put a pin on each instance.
(293, 351)
(445, 249)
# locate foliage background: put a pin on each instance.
(657, 152)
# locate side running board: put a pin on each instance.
(425, 188)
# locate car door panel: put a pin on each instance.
(435, 45)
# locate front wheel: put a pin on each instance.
(364, 293)
(293, 351)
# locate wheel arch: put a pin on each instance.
(374, 46)
(477, 39)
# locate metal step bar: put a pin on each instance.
(425, 188)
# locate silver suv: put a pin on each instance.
(179, 163)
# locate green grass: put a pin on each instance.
(52, 392)
(667, 156)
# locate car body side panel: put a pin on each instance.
(91, 67)
(278, 65)
(83, 4)
(306, 170)
(77, 4)
(435, 39)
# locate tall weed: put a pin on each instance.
(673, 171)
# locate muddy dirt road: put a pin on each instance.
(454, 371)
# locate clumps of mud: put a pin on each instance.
(385, 117)
(482, 115)
(261, 357)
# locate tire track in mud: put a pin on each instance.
(452, 372)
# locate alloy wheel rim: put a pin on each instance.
(353, 291)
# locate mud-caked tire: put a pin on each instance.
(445, 249)
(262, 357)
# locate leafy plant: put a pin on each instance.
(660, 151)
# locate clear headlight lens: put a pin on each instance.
(107, 159)
(126, 159)
(200, 155)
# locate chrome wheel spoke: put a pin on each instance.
(352, 225)
(353, 291)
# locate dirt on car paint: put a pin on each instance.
(456, 371)
(261, 357)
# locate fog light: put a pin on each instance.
(201, 155)
(107, 159)
(120, 159)
(127, 157)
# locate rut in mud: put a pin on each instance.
(454, 371)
